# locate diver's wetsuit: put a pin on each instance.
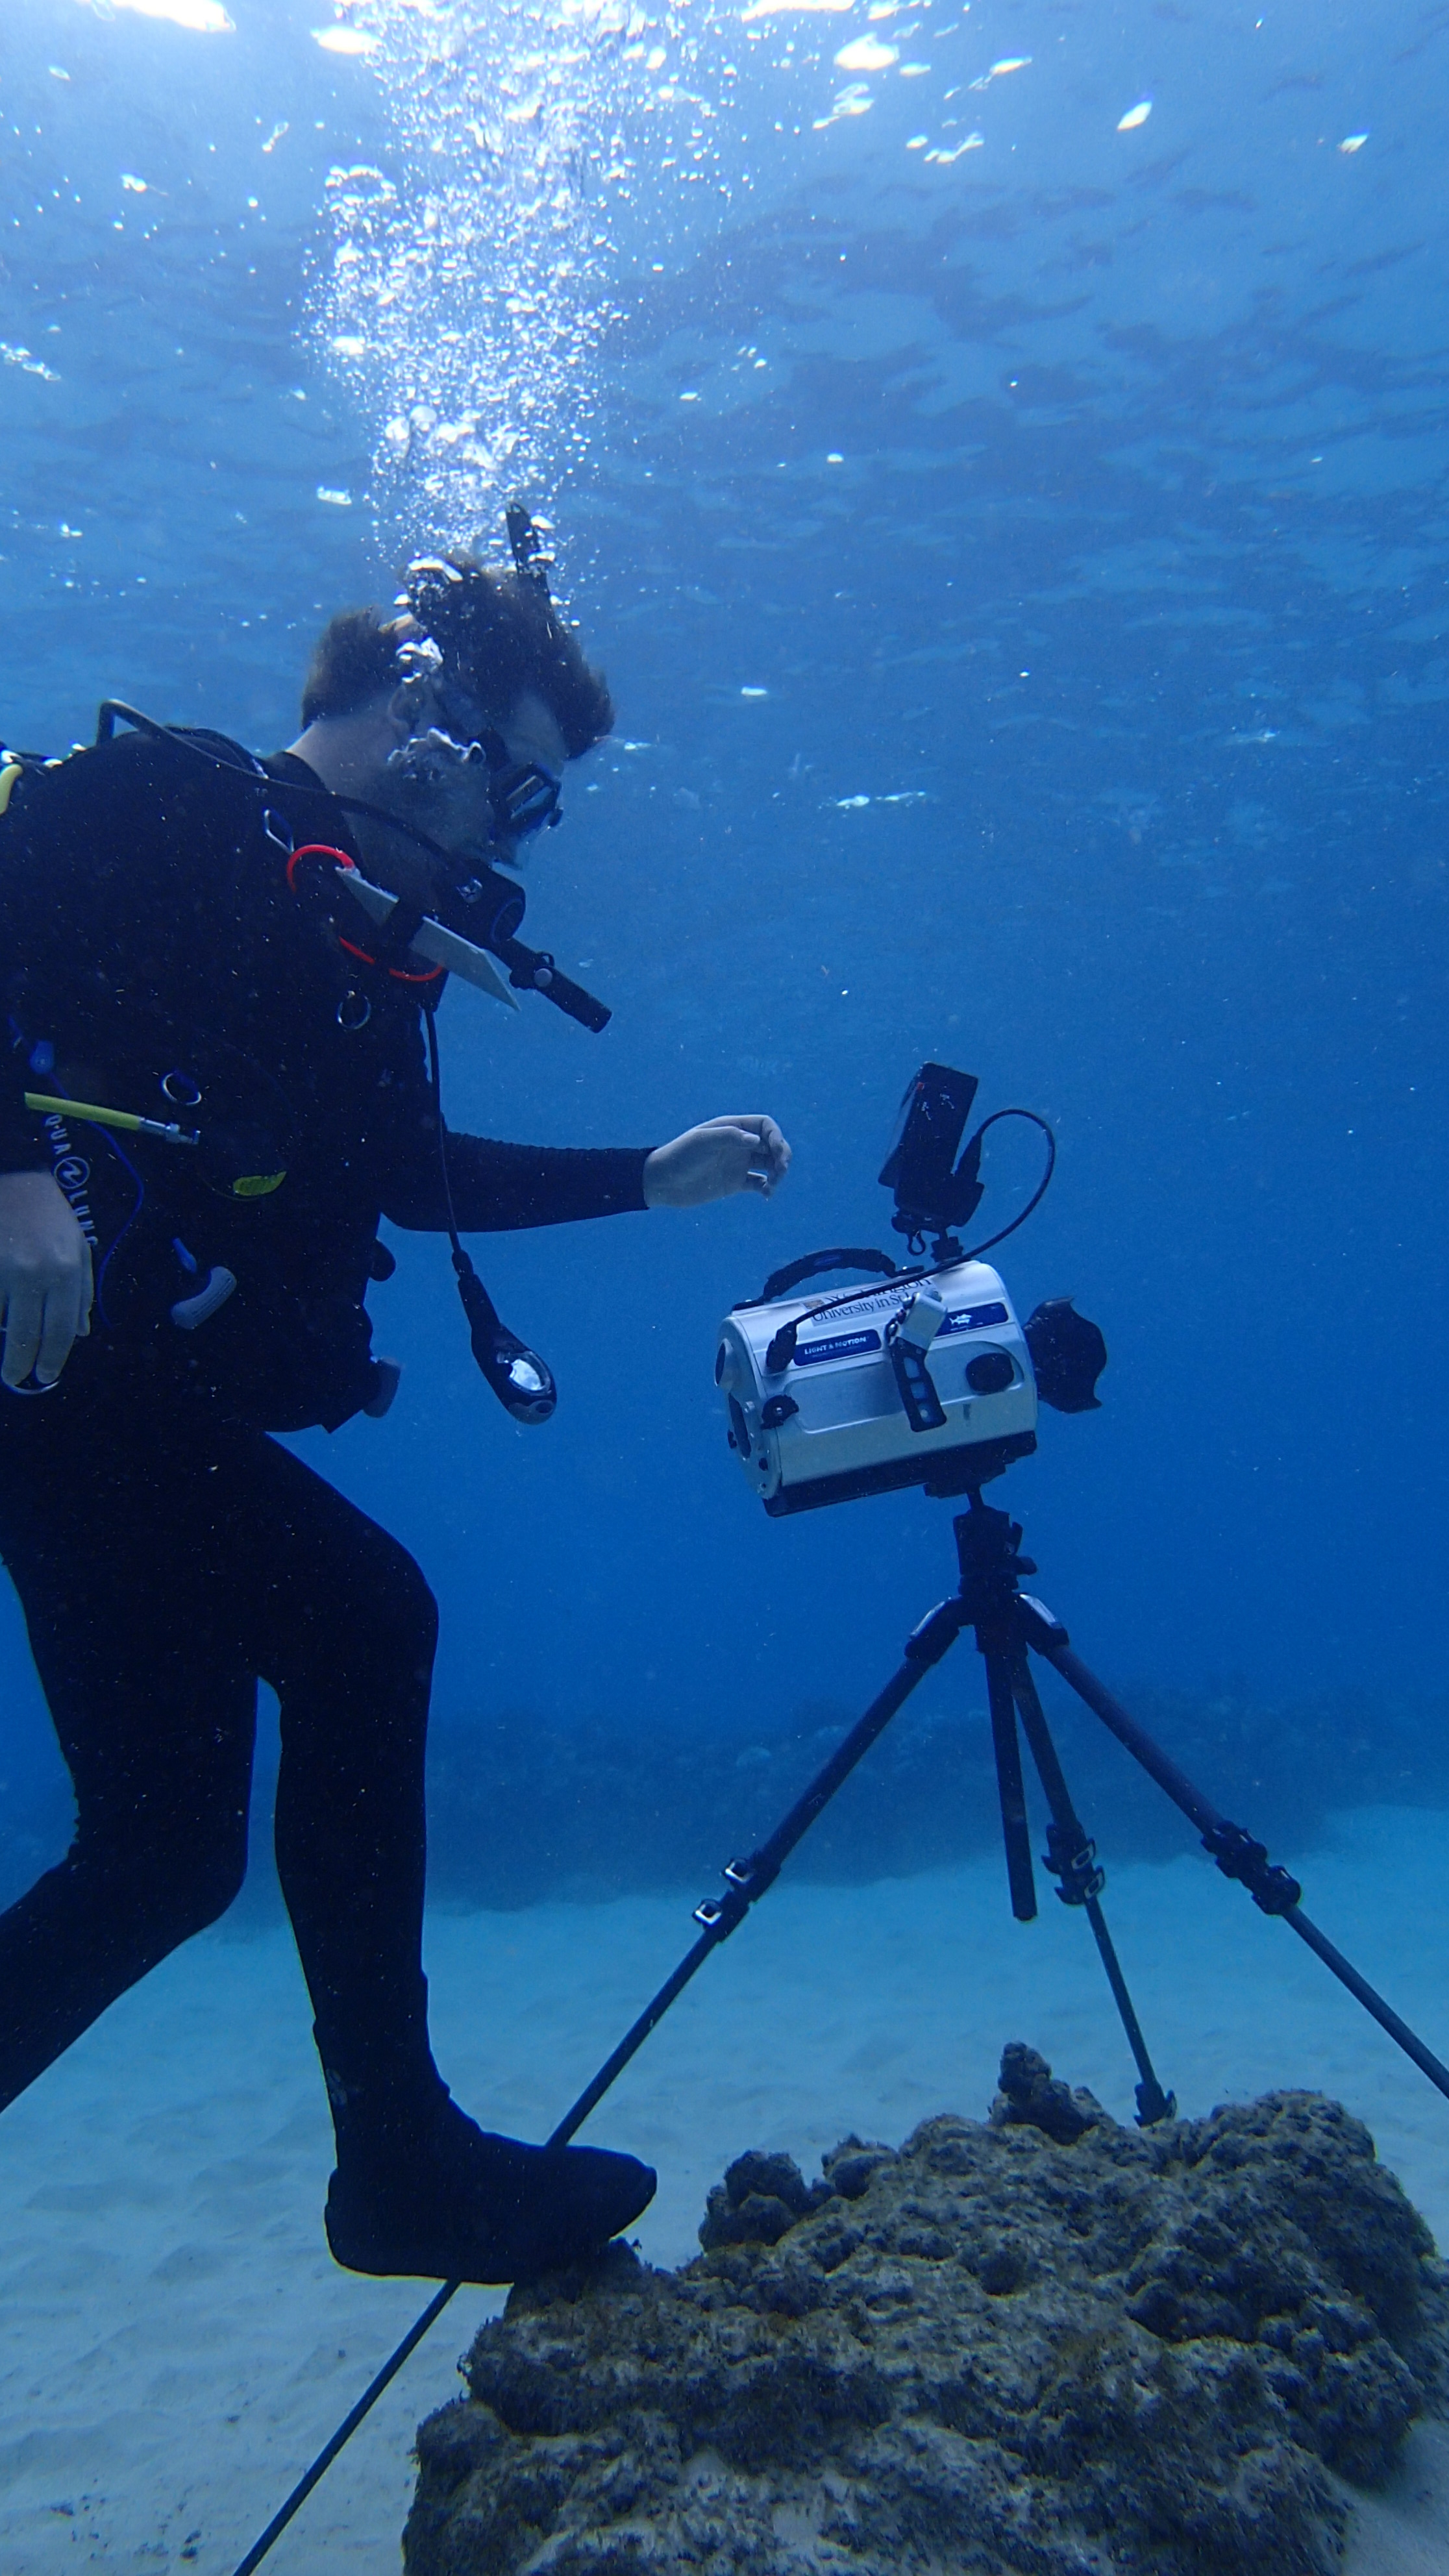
(166, 1552)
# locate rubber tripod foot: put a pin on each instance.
(464, 2205)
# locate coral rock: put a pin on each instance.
(1040, 2346)
(1031, 2097)
(759, 2200)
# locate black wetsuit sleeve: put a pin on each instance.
(498, 1188)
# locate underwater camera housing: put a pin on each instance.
(832, 1424)
(924, 1377)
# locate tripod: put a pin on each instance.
(1010, 1626)
(1007, 1622)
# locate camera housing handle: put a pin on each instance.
(844, 1256)
(810, 1265)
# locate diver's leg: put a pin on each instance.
(345, 1631)
(155, 1716)
(344, 1627)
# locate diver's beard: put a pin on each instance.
(443, 787)
(432, 765)
(439, 786)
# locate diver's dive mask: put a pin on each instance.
(522, 797)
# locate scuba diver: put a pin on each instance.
(216, 1086)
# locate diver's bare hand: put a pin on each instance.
(45, 1278)
(715, 1160)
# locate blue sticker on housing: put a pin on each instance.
(974, 1319)
(839, 1346)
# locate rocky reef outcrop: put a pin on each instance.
(1040, 2345)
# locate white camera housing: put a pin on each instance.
(831, 1424)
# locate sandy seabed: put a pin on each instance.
(175, 2342)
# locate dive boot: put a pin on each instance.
(462, 2205)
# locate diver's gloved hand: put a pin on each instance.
(715, 1160)
(454, 2203)
(45, 1279)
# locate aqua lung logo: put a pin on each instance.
(72, 1174)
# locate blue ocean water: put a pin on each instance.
(997, 449)
(1002, 483)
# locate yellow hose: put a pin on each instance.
(95, 1116)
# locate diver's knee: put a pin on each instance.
(419, 1611)
(195, 1891)
(217, 1888)
(164, 1891)
(400, 1626)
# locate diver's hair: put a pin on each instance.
(353, 659)
(499, 634)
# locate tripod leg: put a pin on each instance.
(1006, 1746)
(748, 1880)
(1272, 1888)
(1152, 2103)
(1071, 1856)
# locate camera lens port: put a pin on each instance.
(989, 1373)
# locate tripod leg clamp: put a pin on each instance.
(1072, 1859)
(1273, 1889)
(1040, 1627)
(722, 1915)
(745, 1881)
(937, 1632)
